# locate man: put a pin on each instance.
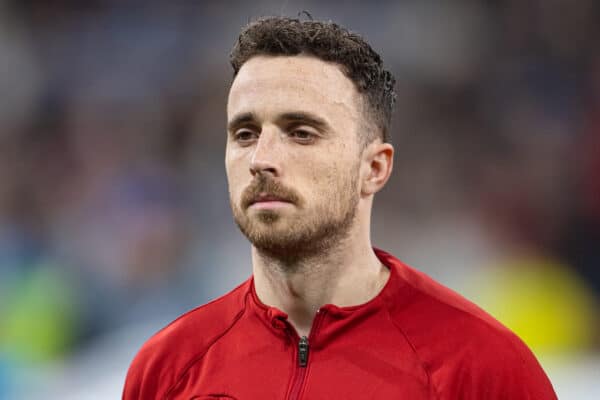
(324, 316)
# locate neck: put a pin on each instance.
(347, 274)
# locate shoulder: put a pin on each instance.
(467, 353)
(167, 354)
(417, 300)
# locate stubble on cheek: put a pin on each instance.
(328, 201)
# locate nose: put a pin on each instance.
(266, 158)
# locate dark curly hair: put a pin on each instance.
(328, 42)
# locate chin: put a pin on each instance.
(267, 217)
(270, 229)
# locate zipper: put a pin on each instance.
(300, 374)
(303, 357)
(303, 351)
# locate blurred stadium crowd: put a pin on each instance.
(114, 213)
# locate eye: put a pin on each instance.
(245, 136)
(303, 136)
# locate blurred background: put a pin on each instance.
(114, 213)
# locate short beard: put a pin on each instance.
(305, 239)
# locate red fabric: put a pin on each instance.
(415, 340)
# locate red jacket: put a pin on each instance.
(415, 340)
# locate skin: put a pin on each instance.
(302, 190)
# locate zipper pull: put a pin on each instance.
(303, 351)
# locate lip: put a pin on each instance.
(267, 201)
(270, 204)
(268, 198)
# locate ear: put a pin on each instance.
(378, 160)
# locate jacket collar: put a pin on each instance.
(276, 320)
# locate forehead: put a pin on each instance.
(271, 84)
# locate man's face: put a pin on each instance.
(293, 154)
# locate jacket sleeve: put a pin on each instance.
(148, 377)
(500, 372)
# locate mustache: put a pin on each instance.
(264, 186)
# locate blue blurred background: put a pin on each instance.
(114, 213)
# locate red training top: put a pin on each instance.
(415, 340)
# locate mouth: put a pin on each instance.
(264, 201)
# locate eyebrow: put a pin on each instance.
(307, 118)
(241, 119)
(295, 116)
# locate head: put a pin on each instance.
(308, 130)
